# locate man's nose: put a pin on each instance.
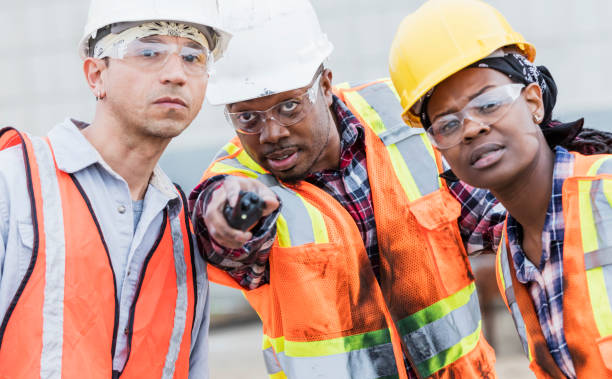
(272, 131)
(173, 71)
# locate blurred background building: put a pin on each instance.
(42, 83)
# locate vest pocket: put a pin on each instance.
(311, 282)
(437, 214)
(26, 237)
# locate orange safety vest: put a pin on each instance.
(63, 319)
(587, 277)
(324, 313)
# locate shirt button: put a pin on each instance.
(121, 209)
(126, 331)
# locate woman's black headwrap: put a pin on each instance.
(520, 70)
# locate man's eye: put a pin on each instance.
(148, 53)
(193, 58)
(289, 106)
(246, 117)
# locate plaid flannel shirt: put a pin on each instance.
(545, 281)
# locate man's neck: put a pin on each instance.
(133, 157)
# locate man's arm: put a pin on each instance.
(481, 220)
(243, 255)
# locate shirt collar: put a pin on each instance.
(351, 130)
(73, 153)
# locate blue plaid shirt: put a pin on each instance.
(545, 281)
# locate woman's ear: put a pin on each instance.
(326, 86)
(533, 96)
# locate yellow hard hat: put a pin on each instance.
(441, 38)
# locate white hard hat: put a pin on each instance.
(277, 46)
(202, 14)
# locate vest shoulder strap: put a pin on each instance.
(415, 161)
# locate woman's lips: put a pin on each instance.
(486, 155)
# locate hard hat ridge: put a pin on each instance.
(441, 38)
(277, 46)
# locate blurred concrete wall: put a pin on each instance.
(41, 80)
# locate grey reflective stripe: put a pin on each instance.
(444, 333)
(602, 216)
(598, 258)
(519, 323)
(399, 133)
(180, 310)
(293, 209)
(55, 263)
(408, 140)
(298, 219)
(606, 167)
(384, 101)
(374, 362)
(271, 363)
(420, 163)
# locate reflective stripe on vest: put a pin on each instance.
(595, 199)
(443, 332)
(411, 153)
(55, 253)
(57, 276)
(449, 329)
(503, 268)
(437, 335)
(369, 354)
(295, 213)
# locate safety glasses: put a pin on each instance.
(447, 131)
(285, 113)
(152, 54)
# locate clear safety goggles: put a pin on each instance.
(151, 54)
(285, 113)
(486, 109)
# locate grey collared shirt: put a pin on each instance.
(111, 201)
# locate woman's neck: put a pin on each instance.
(527, 197)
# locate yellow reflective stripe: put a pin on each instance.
(607, 188)
(365, 110)
(600, 300)
(246, 160)
(595, 167)
(231, 148)
(333, 346)
(587, 227)
(278, 375)
(282, 231)
(595, 277)
(445, 358)
(403, 174)
(222, 168)
(318, 223)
